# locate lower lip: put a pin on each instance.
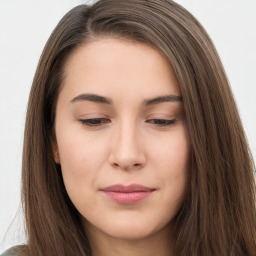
(129, 197)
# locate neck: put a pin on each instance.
(161, 244)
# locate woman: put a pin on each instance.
(133, 143)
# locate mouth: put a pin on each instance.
(131, 194)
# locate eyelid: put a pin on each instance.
(94, 122)
(93, 115)
(160, 122)
(161, 115)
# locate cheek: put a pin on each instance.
(79, 153)
(80, 163)
(172, 160)
(78, 170)
(173, 152)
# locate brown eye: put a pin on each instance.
(94, 121)
(162, 122)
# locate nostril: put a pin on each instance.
(127, 167)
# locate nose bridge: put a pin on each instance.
(127, 138)
(127, 151)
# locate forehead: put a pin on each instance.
(108, 66)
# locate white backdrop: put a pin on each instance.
(26, 25)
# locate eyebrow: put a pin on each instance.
(161, 99)
(92, 97)
(105, 100)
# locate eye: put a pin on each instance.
(162, 122)
(94, 121)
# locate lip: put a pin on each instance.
(130, 194)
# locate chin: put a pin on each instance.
(130, 232)
(134, 229)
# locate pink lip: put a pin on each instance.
(127, 194)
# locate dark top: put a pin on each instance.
(7, 254)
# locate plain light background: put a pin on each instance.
(24, 28)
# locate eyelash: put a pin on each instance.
(99, 121)
(93, 121)
(163, 122)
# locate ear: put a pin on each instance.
(55, 151)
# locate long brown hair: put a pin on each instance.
(218, 216)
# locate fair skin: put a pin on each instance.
(130, 141)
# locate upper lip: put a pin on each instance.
(126, 189)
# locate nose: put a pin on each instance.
(127, 152)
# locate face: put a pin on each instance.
(122, 139)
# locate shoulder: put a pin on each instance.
(7, 253)
(15, 251)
